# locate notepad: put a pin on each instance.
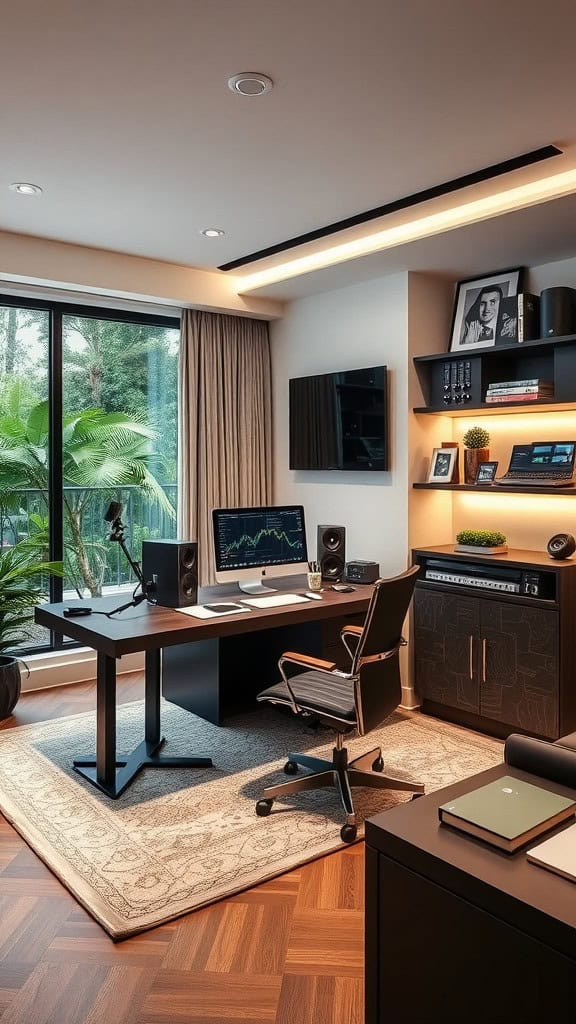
(212, 610)
(557, 854)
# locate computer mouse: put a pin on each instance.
(315, 597)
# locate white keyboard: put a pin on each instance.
(275, 601)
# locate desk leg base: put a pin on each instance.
(145, 755)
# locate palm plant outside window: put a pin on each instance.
(88, 414)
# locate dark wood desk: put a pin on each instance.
(457, 930)
(203, 666)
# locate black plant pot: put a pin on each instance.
(10, 685)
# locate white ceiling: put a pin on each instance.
(121, 112)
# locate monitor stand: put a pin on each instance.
(256, 587)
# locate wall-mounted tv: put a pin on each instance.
(339, 420)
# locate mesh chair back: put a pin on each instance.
(379, 688)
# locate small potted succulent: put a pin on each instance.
(476, 441)
(485, 542)
(21, 570)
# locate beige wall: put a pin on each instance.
(35, 261)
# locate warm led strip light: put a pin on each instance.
(530, 194)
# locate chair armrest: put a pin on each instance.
(352, 630)
(307, 661)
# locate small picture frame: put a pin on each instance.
(486, 472)
(475, 320)
(442, 465)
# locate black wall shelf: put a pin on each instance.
(518, 348)
(497, 489)
(498, 409)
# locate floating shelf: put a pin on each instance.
(515, 350)
(497, 489)
(499, 409)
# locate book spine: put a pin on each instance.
(514, 398)
(528, 317)
(516, 383)
(526, 389)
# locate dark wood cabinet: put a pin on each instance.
(497, 662)
(489, 658)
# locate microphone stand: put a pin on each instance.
(117, 534)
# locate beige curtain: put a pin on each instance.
(225, 423)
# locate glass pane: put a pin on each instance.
(24, 516)
(120, 400)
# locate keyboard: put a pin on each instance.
(536, 480)
(275, 601)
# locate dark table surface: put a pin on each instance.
(148, 626)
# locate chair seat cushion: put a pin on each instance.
(318, 693)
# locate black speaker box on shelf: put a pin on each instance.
(172, 566)
(331, 549)
(557, 312)
(561, 545)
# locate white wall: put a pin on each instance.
(363, 325)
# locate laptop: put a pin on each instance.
(542, 463)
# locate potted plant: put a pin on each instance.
(476, 441)
(21, 569)
(487, 542)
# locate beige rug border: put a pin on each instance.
(112, 923)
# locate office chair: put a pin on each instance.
(360, 699)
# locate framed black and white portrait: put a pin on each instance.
(476, 308)
(442, 465)
(486, 472)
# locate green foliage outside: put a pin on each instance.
(481, 538)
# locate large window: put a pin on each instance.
(88, 414)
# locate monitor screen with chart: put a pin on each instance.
(255, 544)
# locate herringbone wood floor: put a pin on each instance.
(289, 951)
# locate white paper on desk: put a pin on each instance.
(200, 612)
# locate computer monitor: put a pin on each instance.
(255, 543)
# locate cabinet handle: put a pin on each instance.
(483, 660)
(471, 660)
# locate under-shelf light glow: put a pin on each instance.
(521, 196)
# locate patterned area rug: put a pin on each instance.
(176, 839)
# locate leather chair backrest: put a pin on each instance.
(379, 688)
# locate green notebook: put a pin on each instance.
(507, 813)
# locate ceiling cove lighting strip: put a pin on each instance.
(496, 205)
(474, 178)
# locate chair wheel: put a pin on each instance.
(290, 767)
(263, 808)
(348, 833)
(378, 765)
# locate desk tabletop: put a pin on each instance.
(527, 896)
(150, 626)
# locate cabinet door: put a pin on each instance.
(519, 666)
(446, 630)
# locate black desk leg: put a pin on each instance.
(112, 774)
(152, 713)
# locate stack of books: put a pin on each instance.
(507, 813)
(519, 390)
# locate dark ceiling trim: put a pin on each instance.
(517, 162)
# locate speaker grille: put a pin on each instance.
(332, 539)
(188, 557)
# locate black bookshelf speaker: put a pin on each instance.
(561, 545)
(331, 548)
(172, 567)
(557, 312)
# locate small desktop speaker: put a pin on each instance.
(362, 572)
(172, 567)
(561, 545)
(557, 312)
(331, 548)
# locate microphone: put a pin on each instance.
(114, 511)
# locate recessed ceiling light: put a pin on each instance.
(24, 188)
(213, 232)
(250, 83)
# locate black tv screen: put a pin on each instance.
(339, 420)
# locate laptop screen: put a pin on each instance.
(543, 457)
